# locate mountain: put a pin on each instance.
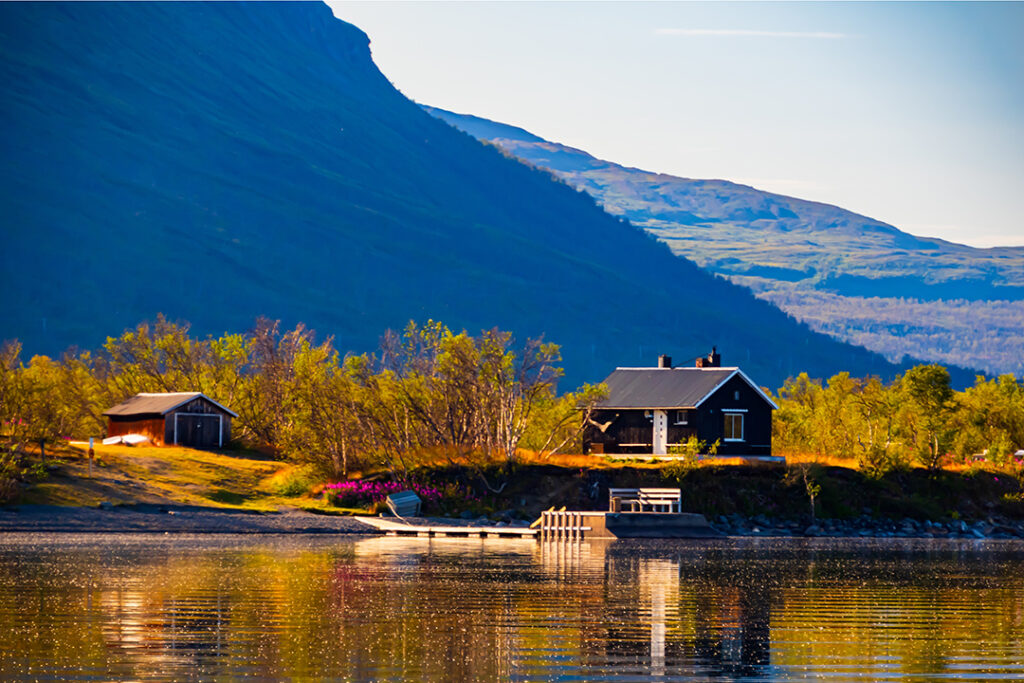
(846, 274)
(216, 162)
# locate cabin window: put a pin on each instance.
(733, 427)
(736, 395)
(681, 417)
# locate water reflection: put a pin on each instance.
(466, 609)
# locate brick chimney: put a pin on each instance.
(664, 361)
(712, 360)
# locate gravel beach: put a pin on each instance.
(148, 518)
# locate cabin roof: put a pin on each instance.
(159, 404)
(669, 387)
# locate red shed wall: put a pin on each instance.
(153, 428)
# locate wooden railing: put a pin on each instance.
(560, 525)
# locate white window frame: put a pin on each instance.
(732, 415)
(681, 418)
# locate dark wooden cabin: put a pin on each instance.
(650, 410)
(184, 419)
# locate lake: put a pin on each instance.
(147, 607)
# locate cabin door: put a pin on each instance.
(660, 437)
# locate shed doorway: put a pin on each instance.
(197, 430)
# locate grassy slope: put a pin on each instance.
(141, 474)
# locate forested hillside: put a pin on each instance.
(847, 275)
(217, 162)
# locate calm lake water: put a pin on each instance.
(174, 608)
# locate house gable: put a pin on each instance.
(742, 375)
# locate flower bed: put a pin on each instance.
(371, 494)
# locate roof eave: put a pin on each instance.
(602, 407)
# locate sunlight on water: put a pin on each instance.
(173, 608)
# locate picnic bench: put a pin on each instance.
(645, 500)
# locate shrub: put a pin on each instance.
(688, 457)
(294, 482)
(9, 487)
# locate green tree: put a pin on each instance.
(928, 407)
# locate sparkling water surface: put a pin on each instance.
(142, 607)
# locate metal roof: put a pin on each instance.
(668, 387)
(159, 404)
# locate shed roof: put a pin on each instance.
(668, 387)
(160, 404)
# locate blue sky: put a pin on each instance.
(911, 113)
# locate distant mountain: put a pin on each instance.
(819, 262)
(221, 161)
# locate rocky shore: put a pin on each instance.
(867, 526)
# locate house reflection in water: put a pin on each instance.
(697, 625)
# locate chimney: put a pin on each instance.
(664, 361)
(712, 360)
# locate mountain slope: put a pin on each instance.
(221, 161)
(819, 262)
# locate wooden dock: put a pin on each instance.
(561, 525)
(395, 527)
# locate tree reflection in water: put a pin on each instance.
(460, 609)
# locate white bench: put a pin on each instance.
(646, 500)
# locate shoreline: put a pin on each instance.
(170, 518)
(866, 526)
(191, 519)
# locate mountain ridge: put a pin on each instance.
(823, 264)
(568, 160)
(217, 162)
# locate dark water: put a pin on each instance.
(301, 608)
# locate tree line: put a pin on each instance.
(428, 393)
(917, 419)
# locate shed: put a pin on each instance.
(650, 410)
(180, 418)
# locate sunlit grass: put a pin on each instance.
(149, 474)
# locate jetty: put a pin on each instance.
(634, 513)
(392, 526)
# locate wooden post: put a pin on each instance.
(42, 450)
(91, 454)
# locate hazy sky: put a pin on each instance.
(909, 113)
